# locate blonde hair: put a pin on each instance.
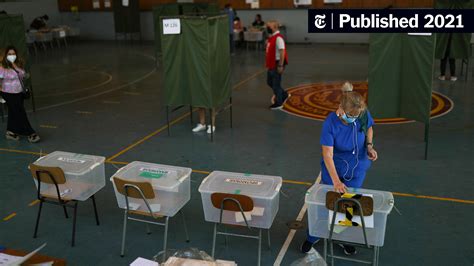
(351, 100)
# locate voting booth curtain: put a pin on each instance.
(400, 75)
(176, 9)
(12, 32)
(196, 62)
(460, 42)
(126, 18)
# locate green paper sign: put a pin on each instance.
(151, 175)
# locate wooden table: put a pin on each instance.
(36, 259)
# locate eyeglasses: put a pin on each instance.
(351, 116)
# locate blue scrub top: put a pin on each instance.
(350, 153)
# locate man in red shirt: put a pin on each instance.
(276, 60)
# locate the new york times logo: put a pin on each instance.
(319, 21)
(396, 20)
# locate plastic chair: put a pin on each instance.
(235, 203)
(30, 41)
(359, 209)
(43, 38)
(144, 191)
(55, 176)
(59, 35)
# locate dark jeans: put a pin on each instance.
(17, 120)
(274, 81)
(452, 66)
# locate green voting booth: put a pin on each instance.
(460, 43)
(401, 76)
(178, 9)
(196, 62)
(12, 29)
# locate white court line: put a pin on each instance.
(292, 233)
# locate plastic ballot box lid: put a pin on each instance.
(162, 177)
(71, 163)
(254, 186)
(383, 200)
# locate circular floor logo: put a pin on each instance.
(316, 101)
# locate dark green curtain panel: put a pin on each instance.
(12, 32)
(126, 18)
(175, 9)
(400, 75)
(197, 62)
(460, 42)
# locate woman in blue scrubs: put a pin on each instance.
(347, 148)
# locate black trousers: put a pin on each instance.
(452, 61)
(17, 119)
(452, 66)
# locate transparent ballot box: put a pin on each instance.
(319, 217)
(171, 186)
(85, 175)
(264, 190)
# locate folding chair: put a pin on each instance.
(144, 191)
(235, 203)
(55, 176)
(360, 207)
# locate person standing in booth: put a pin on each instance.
(11, 75)
(276, 60)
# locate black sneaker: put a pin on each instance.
(275, 106)
(348, 250)
(307, 245)
(34, 138)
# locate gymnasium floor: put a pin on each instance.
(107, 99)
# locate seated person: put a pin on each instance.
(258, 22)
(238, 27)
(39, 23)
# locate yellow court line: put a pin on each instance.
(129, 147)
(23, 152)
(432, 198)
(297, 182)
(201, 172)
(9, 217)
(33, 203)
(115, 162)
(249, 78)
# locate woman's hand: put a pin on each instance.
(340, 187)
(372, 153)
(339, 111)
(280, 69)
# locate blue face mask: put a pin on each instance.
(348, 120)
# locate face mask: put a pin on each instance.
(11, 58)
(348, 120)
(269, 30)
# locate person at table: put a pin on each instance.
(258, 22)
(11, 75)
(347, 149)
(39, 23)
(238, 27)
